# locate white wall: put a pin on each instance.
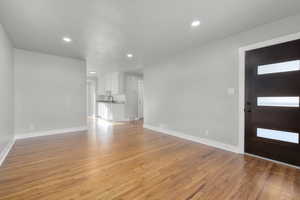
(50, 92)
(188, 93)
(6, 91)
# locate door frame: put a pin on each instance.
(242, 53)
(93, 82)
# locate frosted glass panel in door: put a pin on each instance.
(279, 67)
(278, 135)
(278, 101)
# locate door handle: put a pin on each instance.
(248, 110)
(248, 107)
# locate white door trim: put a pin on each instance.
(242, 51)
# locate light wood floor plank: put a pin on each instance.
(125, 161)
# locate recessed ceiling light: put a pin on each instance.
(195, 23)
(92, 72)
(129, 55)
(67, 39)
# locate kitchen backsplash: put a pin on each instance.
(120, 98)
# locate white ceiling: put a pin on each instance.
(104, 31)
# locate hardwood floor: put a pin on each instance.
(128, 162)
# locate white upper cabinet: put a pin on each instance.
(107, 82)
(114, 82)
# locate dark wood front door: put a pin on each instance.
(272, 114)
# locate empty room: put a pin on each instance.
(150, 100)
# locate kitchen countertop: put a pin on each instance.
(111, 102)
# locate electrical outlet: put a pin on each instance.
(163, 125)
(31, 127)
(206, 132)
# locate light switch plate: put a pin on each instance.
(231, 91)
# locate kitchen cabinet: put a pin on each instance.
(111, 111)
(114, 82)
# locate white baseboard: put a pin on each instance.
(6, 150)
(208, 142)
(50, 132)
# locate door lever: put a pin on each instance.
(248, 107)
(248, 110)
